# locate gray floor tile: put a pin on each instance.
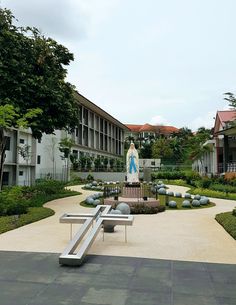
(185, 299)
(19, 293)
(148, 298)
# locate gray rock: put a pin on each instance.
(124, 208)
(195, 203)
(186, 204)
(172, 204)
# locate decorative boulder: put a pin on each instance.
(197, 197)
(204, 201)
(89, 200)
(187, 196)
(186, 204)
(172, 204)
(178, 195)
(195, 203)
(162, 191)
(110, 228)
(95, 196)
(96, 202)
(206, 198)
(124, 208)
(170, 193)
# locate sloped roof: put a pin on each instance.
(152, 128)
(222, 117)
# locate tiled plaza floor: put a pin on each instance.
(28, 278)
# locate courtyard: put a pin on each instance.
(174, 257)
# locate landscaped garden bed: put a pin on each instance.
(23, 205)
(228, 222)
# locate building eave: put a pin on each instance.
(90, 105)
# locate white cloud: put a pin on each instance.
(159, 120)
(207, 120)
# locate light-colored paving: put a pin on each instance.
(190, 235)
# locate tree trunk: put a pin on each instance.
(3, 140)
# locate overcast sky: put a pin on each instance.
(153, 61)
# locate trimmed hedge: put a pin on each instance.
(228, 222)
(211, 193)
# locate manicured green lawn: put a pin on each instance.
(35, 212)
(228, 222)
(8, 223)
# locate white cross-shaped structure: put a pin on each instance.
(102, 217)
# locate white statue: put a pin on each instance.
(132, 164)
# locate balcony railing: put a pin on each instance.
(231, 167)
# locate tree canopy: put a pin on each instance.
(32, 73)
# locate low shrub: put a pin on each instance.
(223, 188)
(145, 209)
(49, 187)
(214, 194)
(16, 208)
(228, 222)
(169, 175)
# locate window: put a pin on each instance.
(38, 159)
(8, 143)
(75, 153)
(21, 173)
(22, 141)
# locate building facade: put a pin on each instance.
(221, 156)
(97, 135)
(146, 131)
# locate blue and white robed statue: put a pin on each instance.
(132, 164)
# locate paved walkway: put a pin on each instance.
(37, 279)
(189, 235)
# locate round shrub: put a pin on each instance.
(195, 203)
(94, 183)
(124, 208)
(172, 204)
(162, 191)
(170, 193)
(16, 208)
(159, 182)
(197, 197)
(186, 204)
(187, 196)
(178, 195)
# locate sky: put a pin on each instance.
(159, 62)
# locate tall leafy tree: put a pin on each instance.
(32, 74)
(162, 149)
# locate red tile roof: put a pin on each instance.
(152, 128)
(227, 115)
(222, 117)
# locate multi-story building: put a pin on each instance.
(221, 155)
(98, 134)
(20, 162)
(147, 130)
